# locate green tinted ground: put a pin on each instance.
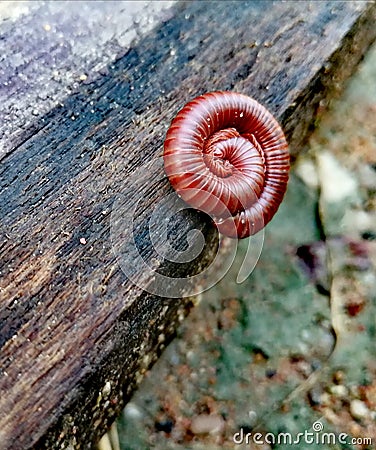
(295, 343)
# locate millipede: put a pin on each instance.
(225, 154)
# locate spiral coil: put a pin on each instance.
(226, 155)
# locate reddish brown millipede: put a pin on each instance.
(225, 154)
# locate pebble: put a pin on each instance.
(338, 377)
(358, 409)
(339, 390)
(315, 396)
(325, 399)
(337, 182)
(252, 418)
(307, 171)
(132, 411)
(207, 424)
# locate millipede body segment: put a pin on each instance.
(226, 155)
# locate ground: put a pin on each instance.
(293, 347)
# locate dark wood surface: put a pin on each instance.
(76, 335)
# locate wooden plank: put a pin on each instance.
(47, 54)
(76, 335)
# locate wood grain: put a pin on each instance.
(76, 335)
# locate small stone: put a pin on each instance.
(338, 376)
(337, 182)
(207, 424)
(339, 390)
(355, 429)
(315, 396)
(307, 171)
(359, 410)
(132, 411)
(325, 399)
(252, 418)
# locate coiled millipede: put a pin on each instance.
(226, 155)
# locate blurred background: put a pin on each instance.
(295, 343)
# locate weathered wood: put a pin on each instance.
(46, 54)
(76, 335)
